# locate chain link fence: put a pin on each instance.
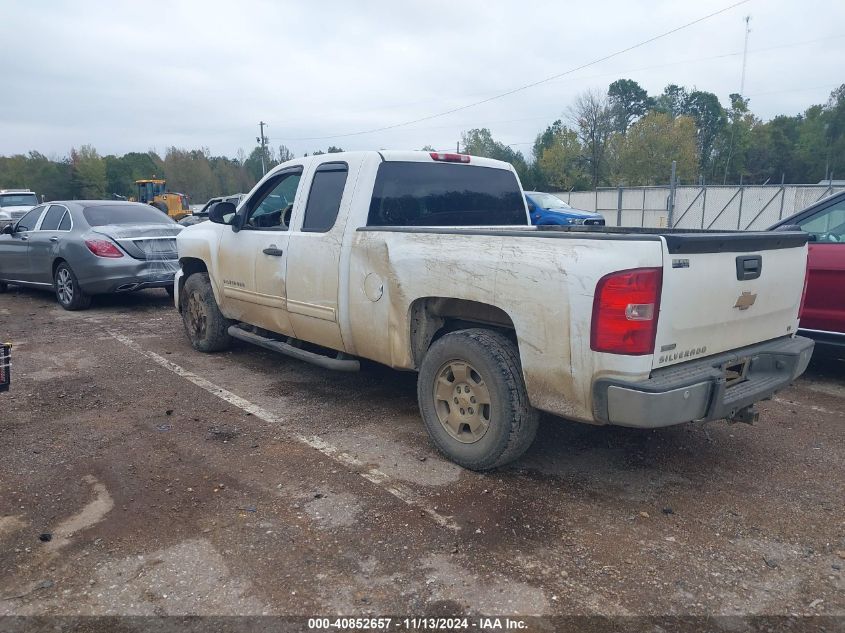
(745, 207)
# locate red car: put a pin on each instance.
(823, 314)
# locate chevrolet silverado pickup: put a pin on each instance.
(428, 262)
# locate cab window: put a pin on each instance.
(324, 199)
(272, 206)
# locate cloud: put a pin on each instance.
(127, 76)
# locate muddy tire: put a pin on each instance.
(160, 206)
(205, 325)
(473, 400)
(68, 293)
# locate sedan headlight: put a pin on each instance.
(577, 220)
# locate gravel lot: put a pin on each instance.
(171, 482)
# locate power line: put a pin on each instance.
(406, 104)
(526, 86)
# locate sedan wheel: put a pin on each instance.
(68, 292)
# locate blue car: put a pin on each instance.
(546, 209)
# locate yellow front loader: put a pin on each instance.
(154, 192)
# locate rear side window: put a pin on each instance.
(53, 217)
(124, 214)
(65, 225)
(444, 194)
(324, 199)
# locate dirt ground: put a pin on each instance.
(172, 482)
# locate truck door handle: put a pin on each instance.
(24, 238)
(54, 239)
(275, 252)
(748, 267)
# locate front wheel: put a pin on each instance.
(205, 325)
(68, 292)
(473, 399)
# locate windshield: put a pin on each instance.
(18, 200)
(124, 214)
(548, 201)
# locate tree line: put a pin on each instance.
(618, 136)
(624, 136)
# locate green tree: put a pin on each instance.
(673, 100)
(559, 161)
(652, 143)
(88, 174)
(629, 101)
(710, 120)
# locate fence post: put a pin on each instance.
(783, 194)
(741, 196)
(642, 218)
(672, 185)
(619, 207)
(703, 205)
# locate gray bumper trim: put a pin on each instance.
(696, 390)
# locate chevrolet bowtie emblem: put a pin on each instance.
(745, 300)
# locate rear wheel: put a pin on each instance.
(473, 399)
(68, 292)
(205, 325)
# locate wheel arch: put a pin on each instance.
(432, 317)
(56, 262)
(190, 266)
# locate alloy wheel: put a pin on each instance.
(64, 286)
(462, 401)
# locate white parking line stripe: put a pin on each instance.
(373, 475)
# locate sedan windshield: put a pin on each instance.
(548, 201)
(124, 214)
(18, 200)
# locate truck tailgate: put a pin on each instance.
(726, 291)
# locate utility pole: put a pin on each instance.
(744, 55)
(262, 140)
(747, 19)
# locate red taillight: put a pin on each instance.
(449, 158)
(103, 248)
(625, 310)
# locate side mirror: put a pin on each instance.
(9, 229)
(221, 212)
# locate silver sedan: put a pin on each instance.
(83, 248)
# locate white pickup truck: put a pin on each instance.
(427, 262)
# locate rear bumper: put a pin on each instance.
(697, 390)
(120, 276)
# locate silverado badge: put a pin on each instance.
(745, 300)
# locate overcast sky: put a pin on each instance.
(133, 76)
